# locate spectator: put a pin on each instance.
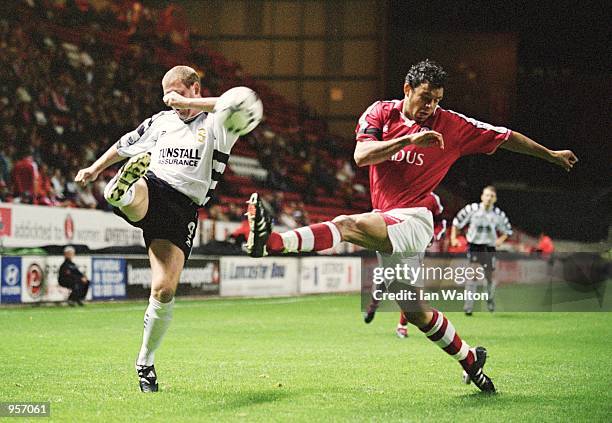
(5, 164)
(57, 183)
(86, 199)
(25, 177)
(70, 277)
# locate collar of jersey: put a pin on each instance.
(399, 107)
(191, 119)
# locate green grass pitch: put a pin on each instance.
(302, 359)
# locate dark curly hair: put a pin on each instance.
(426, 71)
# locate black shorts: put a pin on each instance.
(171, 215)
(482, 254)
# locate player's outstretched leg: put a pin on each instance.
(442, 332)
(262, 240)
(367, 230)
(119, 192)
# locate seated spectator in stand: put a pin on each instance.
(57, 183)
(25, 177)
(286, 216)
(45, 194)
(86, 198)
(4, 193)
(5, 164)
(71, 190)
(70, 277)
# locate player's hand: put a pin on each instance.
(564, 158)
(454, 242)
(427, 139)
(84, 176)
(176, 101)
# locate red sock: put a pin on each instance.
(441, 331)
(317, 237)
(275, 243)
(403, 320)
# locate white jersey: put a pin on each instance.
(484, 225)
(190, 155)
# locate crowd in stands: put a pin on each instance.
(74, 78)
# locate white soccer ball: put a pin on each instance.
(240, 110)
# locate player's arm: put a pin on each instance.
(177, 101)
(501, 239)
(463, 218)
(374, 152)
(90, 174)
(504, 227)
(135, 142)
(453, 236)
(520, 143)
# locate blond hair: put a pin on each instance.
(490, 188)
(185, 74)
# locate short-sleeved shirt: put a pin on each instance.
(189, 155)
(409, 177)
(483, 225)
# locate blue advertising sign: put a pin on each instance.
(108, 277)
(10, 287)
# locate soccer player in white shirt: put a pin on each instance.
(176, 160)
(488, 228)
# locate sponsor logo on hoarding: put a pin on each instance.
(258, 271)
(69, 227)
(35, 280)
(108, 277)
(10, 291)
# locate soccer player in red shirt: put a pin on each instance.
(410, 145)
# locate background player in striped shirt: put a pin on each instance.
(488, 228)
(409, 145)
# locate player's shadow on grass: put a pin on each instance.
(481, 400)
(247, 399)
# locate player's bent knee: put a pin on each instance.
(163, 294)
(347, 225)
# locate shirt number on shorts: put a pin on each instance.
(191, 228)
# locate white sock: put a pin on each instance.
(157, 318)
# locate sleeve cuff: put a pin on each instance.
(500, 142)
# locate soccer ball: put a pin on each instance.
(240, 110)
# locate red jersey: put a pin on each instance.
(409, 177)
(25, 177)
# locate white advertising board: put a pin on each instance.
(249, 277)
(330, 274)
(36, 226)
